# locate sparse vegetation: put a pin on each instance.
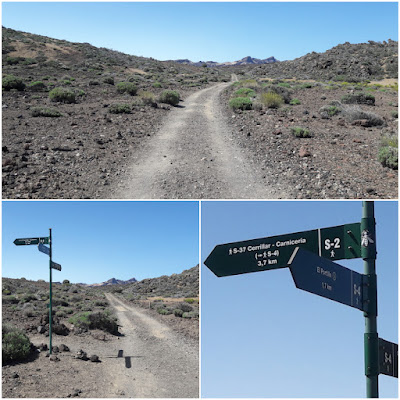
(300, 132)
(37, 86)
(295, 102)
(12, 82)
(240, 103)
(271, 100)
(120, 109)
(388, 152)
(359, 98)
(245, 92)
(16, 346)
(127, 87)
(171, 97)
(45, 112)
(97, 320)
(62, 95)
(148, 98)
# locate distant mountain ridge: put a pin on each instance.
(244, 61)
(110, 282)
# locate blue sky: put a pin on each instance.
(95, 241)
(262, 337)
(208, 31)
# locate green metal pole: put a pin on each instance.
(371, 342)
(51, 298)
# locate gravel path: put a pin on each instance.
(195, 156)
(158, 363)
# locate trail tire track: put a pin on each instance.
(194, 155)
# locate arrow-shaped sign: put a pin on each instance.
(27, 241)
(334, 243)
(325, 278)
(44, 249)
(55, 266)
(388, 358)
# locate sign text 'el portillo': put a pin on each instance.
(310, 255)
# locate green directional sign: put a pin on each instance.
(334, 243)
(388, 358)
(56, 266)
(27, 241)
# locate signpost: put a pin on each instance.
(334, 243)
(310, 256)
(41, 241)
(325, 278)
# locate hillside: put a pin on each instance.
(344, 62)
(77, 144)
(185, 284)
(87, 122)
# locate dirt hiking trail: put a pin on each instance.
(158, 363)
(194, 155)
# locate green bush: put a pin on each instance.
(10, 300)
(359, 98)
(191, 314)
(62, 95)
(394, 114)
(120, 109)
(240, 103)
(99, 320)
(109, 80)
(245, 92)
(13, 82)
(388, 156)
(271, 100)
(164, 311)
(27, 298)
(171, 97)
(295, 102)
(300, 132)
(127, 87)
(353, 113)
(178, 312)
(190, 301)
(157, 85)
(148, 98)
(45, 112)
(16, 345)
(37, 86)
(185, 307)
(284, 84)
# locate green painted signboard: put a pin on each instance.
(334, 243)
(388, 358)
(27, 241)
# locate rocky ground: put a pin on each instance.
(91, 152)
(77, 154)
(153, 354)
(339, 160)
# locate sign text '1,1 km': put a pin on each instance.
(334, 243)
